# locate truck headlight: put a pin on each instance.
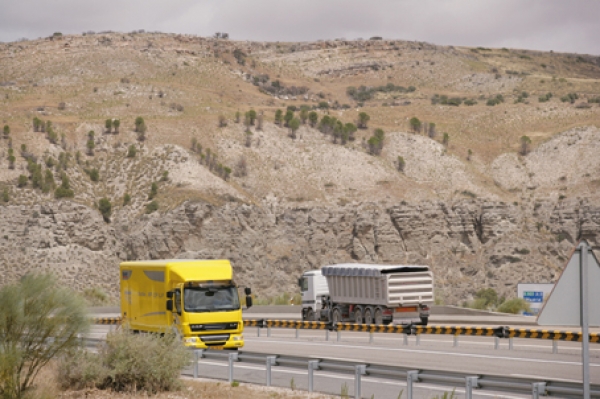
(238, 338)
(191, 340)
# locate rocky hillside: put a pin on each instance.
(498, 179)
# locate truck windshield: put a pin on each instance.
(210, 299)
(304, 284)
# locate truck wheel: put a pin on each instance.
(369, 316)
(310, 315)
(358, 316)
(378, 317)
(424, 321)
(336, 316)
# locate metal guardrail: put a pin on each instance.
(515, 385)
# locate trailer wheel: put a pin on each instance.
(310, 315)
(358, 316)
(378, 317)
(336, 316)
(368, 316)
(424, 320)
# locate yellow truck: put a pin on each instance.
(197, 299)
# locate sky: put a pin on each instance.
(559, 25)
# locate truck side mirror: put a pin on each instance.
(248, 302)
(170, 294)
(170, 305)
(247, 290)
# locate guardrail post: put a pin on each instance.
(510, 343)
(326, 335)
(233, 357)
(455, 344)
(258, 331)
(554, 346)
(339, 335)
(496, 342)
(312, 365)
(418, 336)
(271, 361)
(268, 331)
(411, 376)
(370, 337)
(471, 382)
(404, 339)
(198, 354)
(297, 332)
(358, 371)
(538, 389)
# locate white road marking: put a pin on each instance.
(375, 348)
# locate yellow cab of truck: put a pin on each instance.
(197, 299)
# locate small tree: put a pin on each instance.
(22, 182)
(116, 123)
(313, 118)
(34, 309)
(11, 161)
(401, 164)
(90, 146)
(151, 207)
(141, 131)
(289, 115)
(105, 208)
(363, 118)
(446, 139)
(303, 114)
(278, 117)
(469, 154)
(131, 151)
(525, 142)
(6, 131)
(415, 124)
(252, 116)
(294, 124)
(94, 175)
(108, 125)
(64, 191)
(222, 121)
(49, 183)
(139, 121)
(153, 191)
(350, 129)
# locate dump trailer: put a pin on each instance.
(370, 294)
(196, 299)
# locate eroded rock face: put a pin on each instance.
(470, 244)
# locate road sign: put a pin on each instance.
(571, 302)
(563, 307)
(534, 294)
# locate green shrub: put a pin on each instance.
(95, 296)
(105, 208)
(127, 363)
(23, 180)
(151, 207)
(131, 151)
(514, 306)
(34, 308)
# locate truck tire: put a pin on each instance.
(378, 317)
(368, 316)
(336, 316)
(310, 315)
(424, 320)
(358, 316)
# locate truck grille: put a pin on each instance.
(213, 327)
(208, 339)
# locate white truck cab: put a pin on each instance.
(313, 286)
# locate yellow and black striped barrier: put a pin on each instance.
(499, 332)
(297, 324)
(106, 320)
(372, 328)
(555, 335)
(254, 323)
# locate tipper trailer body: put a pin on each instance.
(197, 299)
(370, 294)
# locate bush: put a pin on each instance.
(128, 362)
(514, 306)
(131, 151)
(105, 208)
(33, 309)
(151, 207)
(23, 180)
(94, 174)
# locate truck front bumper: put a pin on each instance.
(234, 341)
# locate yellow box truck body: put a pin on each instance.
(197, 299)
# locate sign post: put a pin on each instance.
(572, 303)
